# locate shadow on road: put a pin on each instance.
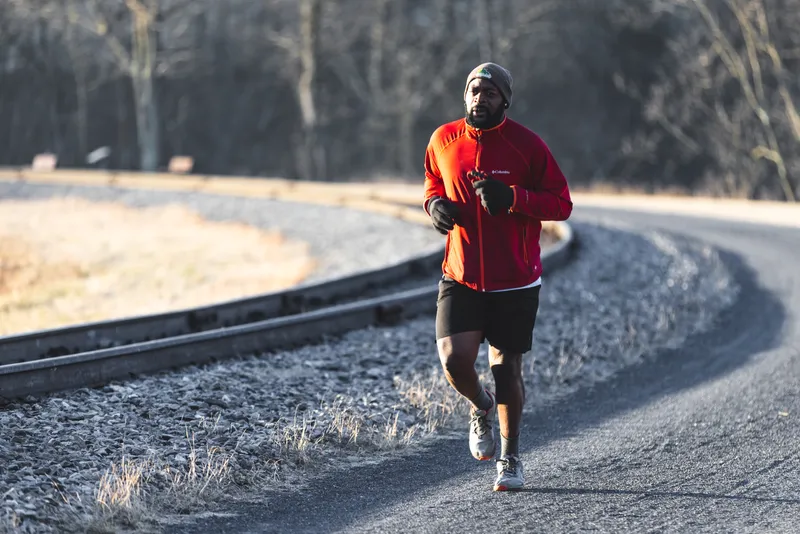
(655, 494)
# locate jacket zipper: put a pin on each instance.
(525, 243)
(480, 230)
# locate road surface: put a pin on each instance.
(702, 439)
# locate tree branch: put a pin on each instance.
(101, 29)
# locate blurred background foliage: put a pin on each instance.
(694, 96)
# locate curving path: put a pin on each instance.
(705, 438)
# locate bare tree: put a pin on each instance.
(427, 59)
(301, 46)
(733, 96)
(133, 33)
(137, 61)
(312, 161)
(377, 122)
(701, 88)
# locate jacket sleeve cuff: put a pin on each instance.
(427, 204)
(513, 207)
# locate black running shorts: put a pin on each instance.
(506, 318)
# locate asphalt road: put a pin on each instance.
(702, 439)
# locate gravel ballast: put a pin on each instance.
(262, 422)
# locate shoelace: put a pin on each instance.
(481, 424)
(509, 465)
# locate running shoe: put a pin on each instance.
(481, 431)
(510, 476)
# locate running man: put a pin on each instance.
(489, 182)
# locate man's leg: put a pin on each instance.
(507, 370)
(510, 393)
(459, 334)
(457, 354)
(510, 335)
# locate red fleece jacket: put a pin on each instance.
(486, 252)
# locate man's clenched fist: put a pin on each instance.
(496, 197)
(444, 214)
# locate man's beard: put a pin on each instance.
(489, 121)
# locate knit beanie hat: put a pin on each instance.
(496, 74)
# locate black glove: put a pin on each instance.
(444, 214)
(496, 197)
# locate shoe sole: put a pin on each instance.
(506, 488)
(490, 456)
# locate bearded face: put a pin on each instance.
(483, 104)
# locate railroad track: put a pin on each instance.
(92, 354)
(95, 353)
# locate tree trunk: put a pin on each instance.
(81, 92)
(83, 112)
(121, 97)
(311, 164)
(145, 102)
(406, 121)
(483, 23)
(372, 135)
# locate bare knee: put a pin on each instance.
(454, 363)
(457, 359)
(510, 361)
(507, 372)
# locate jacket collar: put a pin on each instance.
(474, 132)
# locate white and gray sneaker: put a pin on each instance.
(481, 431)
(510, 475)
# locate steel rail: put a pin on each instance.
(35, 345)
(97, 367)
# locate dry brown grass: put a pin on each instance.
(437, 402)
(204, 471)
(68, 261)
(133, 493)
(119, 495)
